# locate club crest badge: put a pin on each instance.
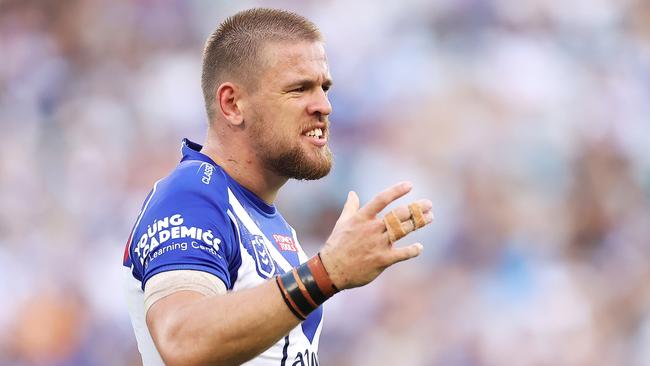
(265, 264)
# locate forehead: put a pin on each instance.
(286, 61)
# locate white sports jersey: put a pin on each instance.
(199, 218)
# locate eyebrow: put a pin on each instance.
(310, 83)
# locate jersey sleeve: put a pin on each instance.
(185, 226)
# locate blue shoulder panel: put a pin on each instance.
(184, 224)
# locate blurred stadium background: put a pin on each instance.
(526, 122)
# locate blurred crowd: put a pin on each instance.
(527, 123)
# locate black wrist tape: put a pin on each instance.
(287, 299)
(303, 289)
(310, 283)
(293, 289)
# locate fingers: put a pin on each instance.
(383, 199)
(404, 253)
(417, 216)
(394, 228)
(351, 206)
(404, 214)
(400, 222)
(409, 226)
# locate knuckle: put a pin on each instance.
(377, 224)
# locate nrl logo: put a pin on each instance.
(265, 265)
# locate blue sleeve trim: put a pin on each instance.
(173, 267)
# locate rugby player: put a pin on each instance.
(214, 274)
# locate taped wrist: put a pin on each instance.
(306, 287)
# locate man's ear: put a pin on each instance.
(229, 101)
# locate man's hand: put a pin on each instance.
(359, 248)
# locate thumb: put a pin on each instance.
(351, 206)
(405, 253)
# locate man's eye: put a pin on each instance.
(326, 88)
(299, 89)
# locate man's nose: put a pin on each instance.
(320, 104)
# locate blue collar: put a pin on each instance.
(192, 151)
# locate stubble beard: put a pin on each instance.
(290, 159)
(297, 164)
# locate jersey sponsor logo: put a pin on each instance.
(171, 228)
(265, 264)
(285, 243)
(208, 169)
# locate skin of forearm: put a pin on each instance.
(219, 330)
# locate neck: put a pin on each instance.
(245, 168)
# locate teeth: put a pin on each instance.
(316, 132)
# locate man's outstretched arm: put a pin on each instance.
(190, 328)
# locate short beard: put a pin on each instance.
(290, 163)
(295, 164)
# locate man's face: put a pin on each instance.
(288, 112)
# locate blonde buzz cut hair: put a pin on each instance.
(232, 51)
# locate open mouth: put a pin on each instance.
(316, 136)
(316, 132)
